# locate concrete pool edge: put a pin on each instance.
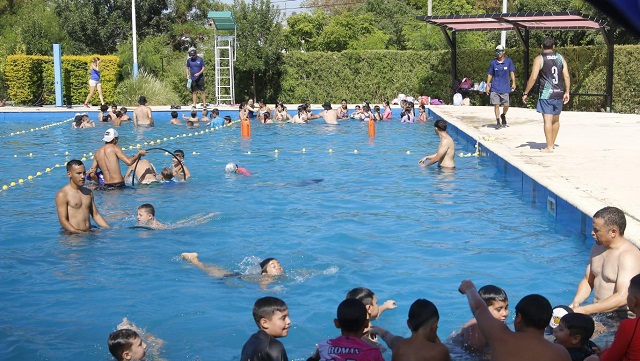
(571, 206)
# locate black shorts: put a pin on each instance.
(198, 84)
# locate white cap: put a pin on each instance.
(231, 167)
(499, 48)
(109, 135)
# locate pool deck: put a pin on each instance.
(595, 163)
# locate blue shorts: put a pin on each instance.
(549, 106)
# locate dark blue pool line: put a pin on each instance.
(567, 217)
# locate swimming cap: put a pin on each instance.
(231, 167)
(265, 263)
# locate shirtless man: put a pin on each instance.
(142, 115)
(424, 344)
(446, 149)
(613, 262)
(527, 343)
(329, 115)
(75, 202)
(107, 157)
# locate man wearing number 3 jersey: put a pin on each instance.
(553, 90)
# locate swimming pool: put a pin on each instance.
(376, 220)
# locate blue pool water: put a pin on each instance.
(377, 220)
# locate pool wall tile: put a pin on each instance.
(567, 217)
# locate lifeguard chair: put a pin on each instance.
(225, 55)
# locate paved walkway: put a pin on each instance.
(596, 162)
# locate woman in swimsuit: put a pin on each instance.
(376, 113)
(280, 114)
(343, 112)
(366, 113)
(265, 112)
(387, 110)
(423, 115)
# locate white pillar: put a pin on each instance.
(503, 35)
(135, 40)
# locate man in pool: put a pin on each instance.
(269, 267)
(329, 115)
(613, 262)
(75, 203)
(446, 149)
(142, 115)
(107, 159)
(533, 313)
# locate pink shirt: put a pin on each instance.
(387, 114)
(345, 348)
(243, 171)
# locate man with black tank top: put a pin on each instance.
(554, 84)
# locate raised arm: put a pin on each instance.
(126, 160)
(390, 339)
(490, 327)
(387, 305)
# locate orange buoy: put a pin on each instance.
(245, 127)
(372, 128)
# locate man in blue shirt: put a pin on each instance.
(195, 74)
(500, 70)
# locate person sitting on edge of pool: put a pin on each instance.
(234, 168)
(446, 152)
(269, 267)
(527, 343)
(147, 217)
(75, 203)
(424, 343)
(107, 159)
(497, 301)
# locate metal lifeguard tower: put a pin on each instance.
(225, 55)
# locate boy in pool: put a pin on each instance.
(147, 217)
(269, 267)
(193, 118)
(234, 168)
(180, 170)
(424, 343)
(574, 332)
(351, 320)
(272, 317)
(126, 344)
(498, 304)
(446, 152)
(174, 118)
(374, 311)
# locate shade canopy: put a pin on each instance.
(223, 20)
(566, 20)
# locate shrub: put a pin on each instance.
(155, 90)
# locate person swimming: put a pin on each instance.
(234, 168)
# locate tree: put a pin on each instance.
(260, 42)
(303, 30)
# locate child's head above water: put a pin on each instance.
(146, 212)
(272, 315)
(174, 114)
(270, 266)
(497, 301)
(422, 313)
(367, 297)
(126, 344)
(574, 330)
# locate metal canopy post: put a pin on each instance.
(225, 55)
(608, 39)
(454, 64)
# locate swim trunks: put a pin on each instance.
(110, 186)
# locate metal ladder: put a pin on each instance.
(224, 58)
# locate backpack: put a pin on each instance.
(466, 84)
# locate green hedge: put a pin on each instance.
(30, 79)
(377, 75)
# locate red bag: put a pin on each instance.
(466, 84)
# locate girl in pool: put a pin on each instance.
(387, 110)
(366, 113)
(343, 112)
(423, 114)
(244, 111)
(376, 113)
(280, 114)
(265, 112)
(301, 117)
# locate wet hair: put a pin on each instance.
(147, 207)
(118, 114)
(491, 294)
(422, 312)
(547, 43)
(78, 120)
(422, 106)
(190, 123)
(579, 324)
(612, 217)
(343, 100)
(242, 105)
(204, 112)
(366, 108)
(104, 108)
(261, 101)
(357, 106)
(363, 294)
(376, 108)
(123, 110)
(265, 263)
(179, 152)
(634, 285)
(266, 307)
(215, 111)
(121, 341)
(174, 114)
(194, 114)
(535, 310)
(440, 125)
(73, 163)
(352, 315)
(167, 174)
(114, 105)
(386, 102)
(105, 118)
